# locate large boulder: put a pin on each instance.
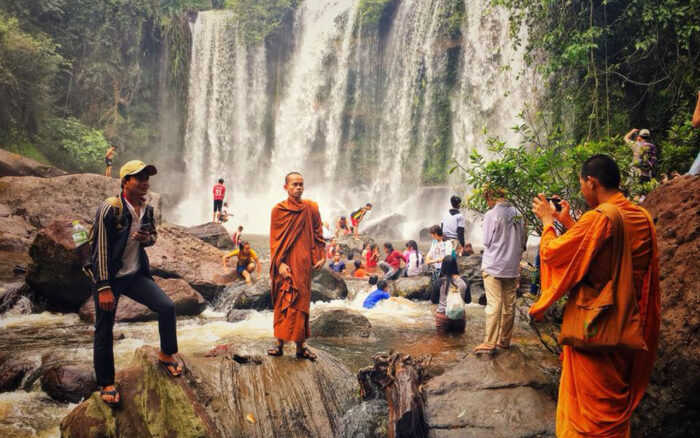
(470, 267)
(339, 323)
(215, 398)
(671, 406)
(13, 299)
(69, 382)
(493, 397)
(41, 201)
(12, 164)
(413, 288)
(213, 233)
(15, 233)
(179, 254)
(13, 371)
(326, 285)
(387, 227)
(187, 302)
(55, 274)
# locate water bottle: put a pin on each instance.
(80, 238)
(80, 234)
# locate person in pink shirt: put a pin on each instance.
(219, 192)
(236, 236)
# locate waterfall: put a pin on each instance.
(358, 111)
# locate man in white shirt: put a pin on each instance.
(453, 225)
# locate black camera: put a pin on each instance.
(556, 202)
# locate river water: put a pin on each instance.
(408, 328)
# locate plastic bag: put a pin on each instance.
(454, 308)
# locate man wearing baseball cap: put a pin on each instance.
(644, 154)
(125, 225)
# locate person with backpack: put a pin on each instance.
(125, 225)
(643, 152)
(450, 298)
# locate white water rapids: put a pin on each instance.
(352, 145)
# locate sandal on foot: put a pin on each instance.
(277, 351)
(113, 393)
(305, 353)
(503, 346)
(484, 348)
(167, 365)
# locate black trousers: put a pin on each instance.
(143, 290)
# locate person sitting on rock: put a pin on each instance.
(360, 271)
(125, 225)
(415, 265)
(337, 265)
(223, 215)
(327, 235)
(372, 258)
(392, 264)
(331, 249)
(449, 282)
(341, 227)
(248, 261)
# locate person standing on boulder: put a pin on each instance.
(109, 157)
(219, 192)
(125, 225)
(453, 225)
(296, 248)
(607, 263)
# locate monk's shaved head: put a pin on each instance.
(286, 178)
(603, 168)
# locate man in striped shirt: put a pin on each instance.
(124, 225)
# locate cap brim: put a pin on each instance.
(149, 168)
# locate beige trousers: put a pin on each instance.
(500, 308)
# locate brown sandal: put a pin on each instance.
(277, 351)
(305, 353)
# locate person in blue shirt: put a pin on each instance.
(336, 265)
(376, 296)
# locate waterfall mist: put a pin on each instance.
(365, 115)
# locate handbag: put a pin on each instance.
(607, 317)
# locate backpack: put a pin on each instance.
(454, 308)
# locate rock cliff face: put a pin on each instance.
(233, 392)
(12, 164)
(671, 407)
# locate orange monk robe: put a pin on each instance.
(296, 238)
(599, 390)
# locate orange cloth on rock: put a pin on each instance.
(599, 391)
(296, 238)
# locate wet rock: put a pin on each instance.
(214, 398)
(413, 288)
(238, 315)
(187, 302)
(387, 227)
(671, 406)
(351, 244)
(41, 201)
(16, 234)
(326, 285)
(213, 233)
(13, 372)
(338, 323)
(239, 295)
(69, 382)
(12, 164)
(490, 397)
(470, 271)
(13, 299)
(366, 420)
(178, 254)
(55, 273)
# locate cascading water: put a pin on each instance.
(356, 111)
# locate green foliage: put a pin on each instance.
(372, 11)
(73, 146)
(259, 18)
(545, 162)
(28, 65)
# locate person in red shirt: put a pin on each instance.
(392, 264)
(219, 193)
(372, 257)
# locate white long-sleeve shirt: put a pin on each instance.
(504, 240)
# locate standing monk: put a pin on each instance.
(607, 264)
(296, 247)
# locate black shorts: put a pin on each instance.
(218, 203)
(108, 162)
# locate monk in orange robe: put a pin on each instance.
(296, 248)
(599, 389)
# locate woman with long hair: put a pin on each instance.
(449, 282)
(416, 264)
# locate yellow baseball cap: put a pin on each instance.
(135, 166)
